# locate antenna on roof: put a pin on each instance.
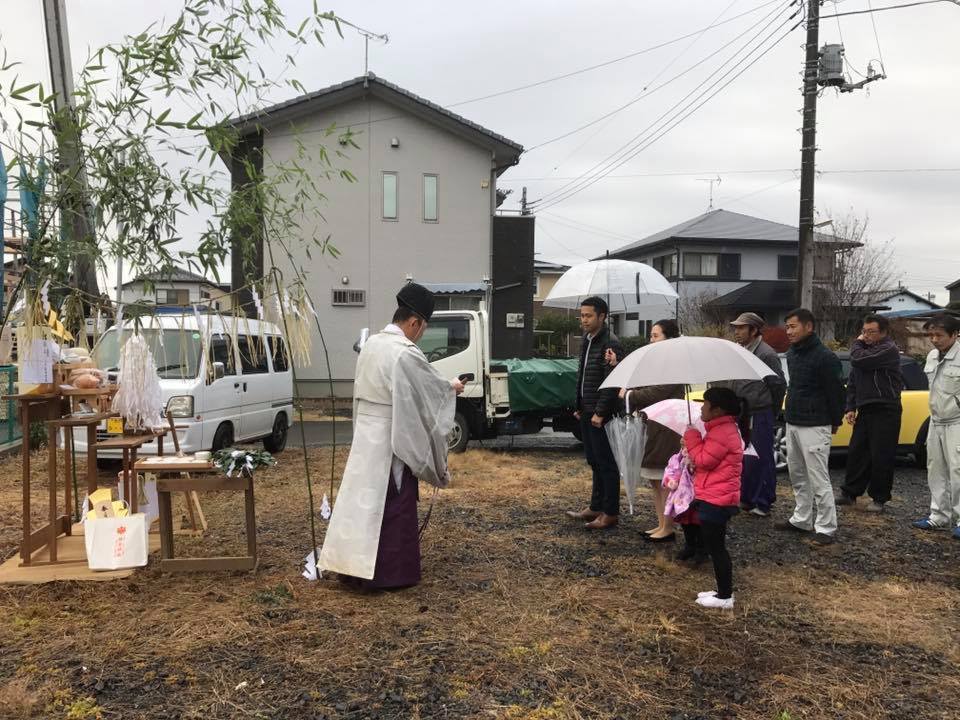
(711, 181)
(368, 35)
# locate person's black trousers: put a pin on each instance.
(713, 535)
(606, 476)
(873, 452)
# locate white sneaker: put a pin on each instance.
(758, 512)
(711, 601)
(708, 593)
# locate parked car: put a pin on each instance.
(913, 425)
(236, 391)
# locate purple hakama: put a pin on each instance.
(398, 552)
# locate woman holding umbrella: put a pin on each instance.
(662, 444)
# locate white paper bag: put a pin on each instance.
(115, 543)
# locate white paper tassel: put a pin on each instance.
(138, 397)
(257, 303)
(45, 299)
(325, 508)
(311, 572)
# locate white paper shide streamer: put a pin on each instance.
(138, 397)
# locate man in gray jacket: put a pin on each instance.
(764, 398)
(943, 439)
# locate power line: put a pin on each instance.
(564, 247)
(889, 7)
(667, 43)
(650, 82)
(647, 92)
(688, 173)
(873, 21)
(612, 164)
(612, 234)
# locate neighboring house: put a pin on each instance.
(902, 302)
(954, 289)
(422, 208)
(545, 276)
(726, 263)
(177, 287)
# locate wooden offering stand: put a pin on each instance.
(50, 407)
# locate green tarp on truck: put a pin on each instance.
(541, 384)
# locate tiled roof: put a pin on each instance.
(174, 274)
(263, 117)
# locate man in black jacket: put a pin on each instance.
(874, 410)
(814, 412)
(594, 408)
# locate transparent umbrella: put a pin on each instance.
(627, 435)
(626, 286)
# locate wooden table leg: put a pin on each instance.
(160, 446)
(251, 521)
(166, 524)
(134, 483)
(92, 474)
(52, 479)
(126, 476)
(25, 456)
(68, 475)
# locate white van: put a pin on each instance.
(237, 391)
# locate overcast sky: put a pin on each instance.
(451, 52)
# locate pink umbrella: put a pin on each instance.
(675, 414)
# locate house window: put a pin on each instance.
(390, 193)
(456, 302)
(430, 198)
(666, 265)
(787, 267)
(536, 286)
(173, 297)
(350, 298)
(711, 265)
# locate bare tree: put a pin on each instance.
(853, 272)
(697, 316)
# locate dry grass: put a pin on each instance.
(521, 616)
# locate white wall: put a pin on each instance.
(136, 292)
(904, 302)
(378, 255)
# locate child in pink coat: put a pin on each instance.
(718, 459)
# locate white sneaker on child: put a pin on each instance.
(707, 593)
(712, 601)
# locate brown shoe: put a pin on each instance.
(585, 514)
(604, 522)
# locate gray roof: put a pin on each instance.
(954, 285)
(456, 288)
(544, 266)
(722, 225)
(507, 152)
(174, 274)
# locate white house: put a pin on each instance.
(422, 208)
(176, 287)
(902, 302)
(730, 262)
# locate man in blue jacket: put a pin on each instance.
(814, 411)
(873, 408)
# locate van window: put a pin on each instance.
(445, 337)
(221, 350)
(253, 359)
(278, 351)
(176, 352)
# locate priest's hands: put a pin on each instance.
(457, 386)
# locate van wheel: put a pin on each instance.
(223, 437)
(276, 441)
(460, 435)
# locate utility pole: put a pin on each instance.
(523, 202)
(808, 152)
(75, 213)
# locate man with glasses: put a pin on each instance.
(874, 410)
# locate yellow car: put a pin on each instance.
(913, 424)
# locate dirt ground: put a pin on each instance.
(522, 615)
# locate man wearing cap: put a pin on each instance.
(403, 411)
(764, 398)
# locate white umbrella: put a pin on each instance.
(686, 361)
(625, 285)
